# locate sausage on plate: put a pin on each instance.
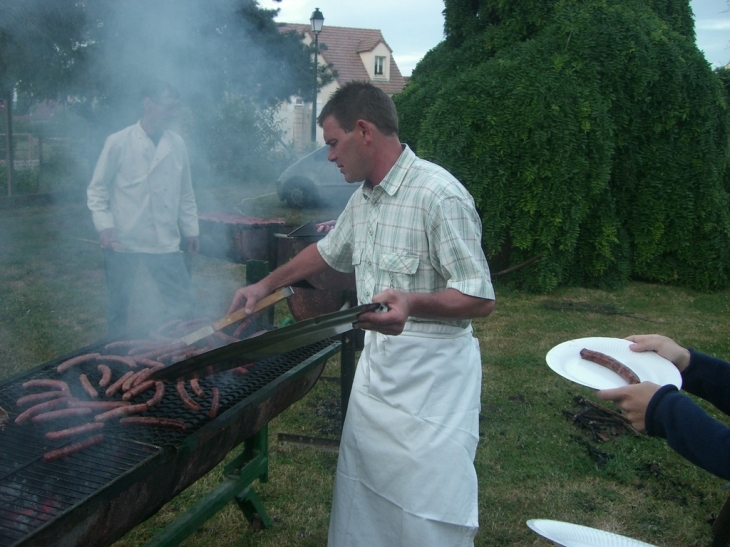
(610, 363)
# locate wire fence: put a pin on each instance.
(43, 164)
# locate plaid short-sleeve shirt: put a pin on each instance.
(417, 231)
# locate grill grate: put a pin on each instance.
(34, 492)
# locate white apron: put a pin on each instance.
(405, 473)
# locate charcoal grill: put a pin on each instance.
(95, 496)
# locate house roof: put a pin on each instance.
(344, 45)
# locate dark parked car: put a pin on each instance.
(314, 181)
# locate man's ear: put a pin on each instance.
(365, 130)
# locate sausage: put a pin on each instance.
(120, 345)
(179, 355)
(73, 448)
(42, 407)
(240, 370)
(142, 376)
(47, 384)
(73, 431)
(98, 405)
(185, 397)
(152, 421)
(166, 348)
(215, 403)
(146, 348)
(60, 414)
(167, 326)
(148, 363)
(127, 361)
(610, 363)
(120, 412)
(225, 338)
(116, 386)
(195, 386)
(106, 375)
(136, 390)
(40, 397)
(157, 397)
(88, 388)
(63, 367)
(127, 385)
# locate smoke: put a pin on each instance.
(229, 69)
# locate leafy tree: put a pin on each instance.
(41, 52)
(229, 61)
(592, 133)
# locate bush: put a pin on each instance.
(593, 133)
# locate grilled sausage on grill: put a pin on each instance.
(186, 399)
(63, 367)
(106, 375)
(74, 431)
(72, 448)
(136, 390)
(157, 397)
(215, 403)
(152, 421)
(116, 386)
(88, 388)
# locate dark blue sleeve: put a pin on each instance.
(689, 430)
(708, 378)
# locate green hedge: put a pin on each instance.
(592, 132)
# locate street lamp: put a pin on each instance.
(317, 21)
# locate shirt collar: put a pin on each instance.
(397, 173)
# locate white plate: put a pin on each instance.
(565, 359)
(574, 535)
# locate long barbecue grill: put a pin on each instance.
(95, 496)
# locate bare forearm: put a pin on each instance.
(449, 304)
(305, 264)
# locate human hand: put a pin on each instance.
(193, 245)
(108, 238)
(325, 227)
(663, 346)
(389, 322)
(248, 296)
(632, 400)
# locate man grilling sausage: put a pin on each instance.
(405, 473)
(142, 203)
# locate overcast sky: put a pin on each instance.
(412, 27)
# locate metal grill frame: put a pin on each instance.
(141, 490)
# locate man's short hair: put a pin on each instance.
(155, 89)
(361, 101)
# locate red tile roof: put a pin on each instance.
(344, 44)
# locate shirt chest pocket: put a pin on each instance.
(398, 270)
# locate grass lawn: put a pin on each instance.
(533, 460)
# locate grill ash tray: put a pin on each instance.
(96, 492)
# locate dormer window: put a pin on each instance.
(379, 63)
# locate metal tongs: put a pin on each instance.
(270, 344)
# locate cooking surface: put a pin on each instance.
(34, 492)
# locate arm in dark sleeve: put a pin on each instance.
(708, 378)
(689, 430)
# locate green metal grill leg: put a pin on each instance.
(251, 464)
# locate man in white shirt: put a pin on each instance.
(142, 203)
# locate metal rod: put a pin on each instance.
(316, 85)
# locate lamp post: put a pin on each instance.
(317, 21)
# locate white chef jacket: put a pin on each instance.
(144, 192)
